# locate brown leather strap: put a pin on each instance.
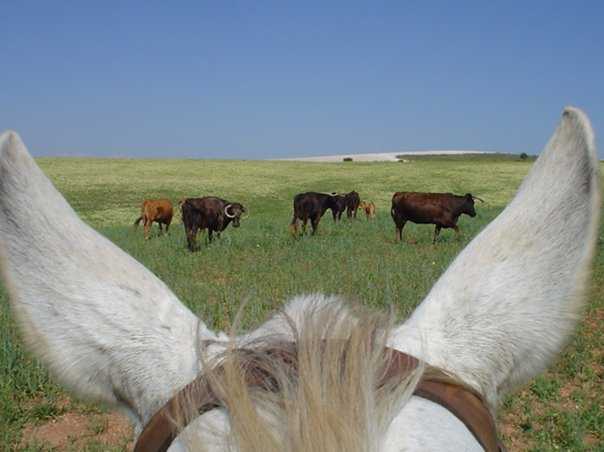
(461, 401)
(467, 406)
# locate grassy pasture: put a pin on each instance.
(261, 263)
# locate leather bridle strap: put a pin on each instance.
(467, 406)
(436, 386)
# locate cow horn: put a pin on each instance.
(226, 211)
(476, 197)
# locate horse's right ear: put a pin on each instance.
(511, 299)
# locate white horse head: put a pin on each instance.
(109, 330)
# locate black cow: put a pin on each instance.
(440, 209)
(352, 203)
(211, 213)
(311, 206)
(339, 207)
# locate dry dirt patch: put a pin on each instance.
(73, 431)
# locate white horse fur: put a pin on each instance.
(109, 330)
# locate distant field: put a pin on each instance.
(261, 263)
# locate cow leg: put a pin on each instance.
(314, 222)
(192, 238)
(161, 231)
(190, 241)
(457, 232)
(399, 230)
(210, 232)
(167, 226)
(436, 232)
(147, 227)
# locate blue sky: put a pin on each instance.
(277, 79)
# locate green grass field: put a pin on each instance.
(262, 264)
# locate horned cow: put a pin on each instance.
(211, 213)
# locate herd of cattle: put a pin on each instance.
(215, 214)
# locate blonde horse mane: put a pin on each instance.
(326, 401)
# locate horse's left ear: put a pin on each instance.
(105, 325)
(511, 299)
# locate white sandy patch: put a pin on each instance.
(379, 156)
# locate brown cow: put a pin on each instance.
(158, 210)
(369, 208)
(440, 209)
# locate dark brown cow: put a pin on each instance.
(211, 213)
(440, 209)
(352, 204)
(158, 210)
(339, 207)
(311, 206)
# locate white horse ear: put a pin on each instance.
(105, 325)
(509, 302)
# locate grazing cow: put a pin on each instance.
(352, 204)
(211, 213)
(440, 209)
(369, 208)
(158, 210)
(311, 206)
